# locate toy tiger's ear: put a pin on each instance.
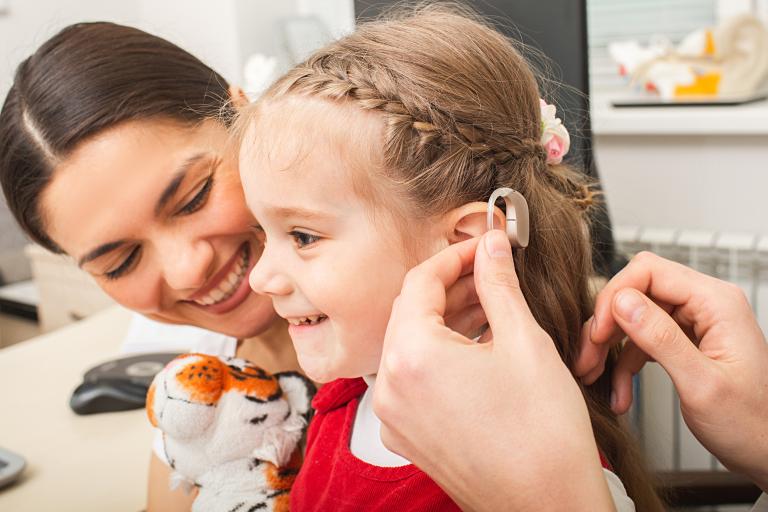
(298, 390)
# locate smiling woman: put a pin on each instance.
(113, 151)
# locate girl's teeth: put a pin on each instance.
(306, 320)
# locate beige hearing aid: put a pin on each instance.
(517, 224)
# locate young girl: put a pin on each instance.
(377, 152)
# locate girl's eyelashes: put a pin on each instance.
(303, 239)
(300, 238)
(199, 199)
(125, 266)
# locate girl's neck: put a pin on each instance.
(271, 350)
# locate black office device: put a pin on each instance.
(118, 385)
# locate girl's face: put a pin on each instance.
(154, 211)
(331, 269)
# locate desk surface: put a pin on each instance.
(77, 463)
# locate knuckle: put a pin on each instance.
(707, 392)
(663, 333)
(401, 367)
(645, 258)
(411, 277)
(389, 439)
(503, 280)
(382, 404)
(735, 293)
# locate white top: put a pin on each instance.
(366, 445)
(145, 335)
(366, 442)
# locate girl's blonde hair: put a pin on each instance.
(461, 112)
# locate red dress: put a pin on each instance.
(333, 480)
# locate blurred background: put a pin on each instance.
(680, 151)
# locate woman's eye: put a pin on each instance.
(303, 239)
(198, 201)
(125, 266)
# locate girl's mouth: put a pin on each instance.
(306, 320)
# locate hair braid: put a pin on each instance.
(461, 116)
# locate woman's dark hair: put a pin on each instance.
(87, 78)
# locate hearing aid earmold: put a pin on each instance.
(517, 223)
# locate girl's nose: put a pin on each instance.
(267, 279)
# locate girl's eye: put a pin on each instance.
(125, 266)
(303, 239)
(198, 201)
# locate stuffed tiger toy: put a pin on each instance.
(231, 429)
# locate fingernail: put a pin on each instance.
(497, 244)
(613, 399)
(593, 327)
(629, 305)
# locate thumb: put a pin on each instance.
(659, 336)
(498, 287)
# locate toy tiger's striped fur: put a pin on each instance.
(231, 429)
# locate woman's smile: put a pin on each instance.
(229, 287)
(224, 291)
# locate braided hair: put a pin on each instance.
(459, 107)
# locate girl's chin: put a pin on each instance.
(315, 370)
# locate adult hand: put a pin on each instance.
(493, 423)
(703, 332)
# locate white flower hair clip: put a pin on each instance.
(554, 136)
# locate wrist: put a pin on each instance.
(581, 485)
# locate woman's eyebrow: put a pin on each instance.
(178, 178)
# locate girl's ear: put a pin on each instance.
(470, 220)
(238, 97)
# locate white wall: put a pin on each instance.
(222, 33)
(28, 23)
(696, 182)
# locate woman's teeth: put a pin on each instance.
(229, 284)
(306, 320)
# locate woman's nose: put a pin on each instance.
(188, 266)
(267, 279)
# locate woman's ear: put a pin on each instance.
(470, 220)
(238, 97)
